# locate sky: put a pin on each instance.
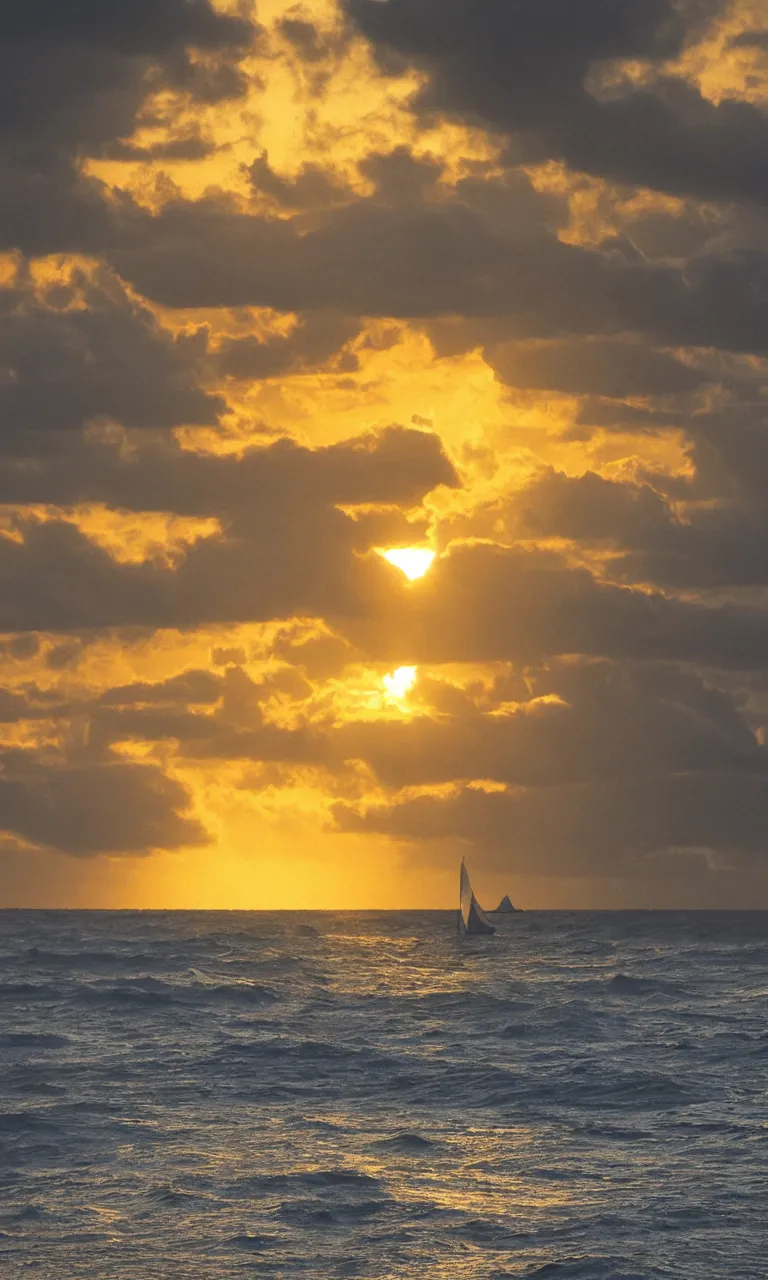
(383, 453)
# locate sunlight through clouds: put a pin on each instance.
(297, 289)
(400, 682)
(412, 561)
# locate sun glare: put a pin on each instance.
(412, 561)
(400, 681)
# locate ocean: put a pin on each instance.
(205, 1095)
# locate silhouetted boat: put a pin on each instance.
(472, 918)
(505, 907)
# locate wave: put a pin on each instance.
(484, 1234)
(32, 1040)
(82, 959)
(129, 992)
(255, 1243)
(593, 1267)
(636, 1090)
(407, 1144)
(232, 992)
(303, 1180)
(26, 1122)
(626, 984)
(171, 1196)
(28, 991)
(214, 1095)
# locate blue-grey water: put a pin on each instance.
(199, 1096)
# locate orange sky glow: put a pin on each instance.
(383, 476)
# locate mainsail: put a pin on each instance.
(505, 907)
(472, 918)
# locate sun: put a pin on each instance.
(399, 682)
(412, 561)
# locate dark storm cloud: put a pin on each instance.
(400, 177)
(480, 603)
(315, 340)
(729, 450)
(570, 728)
(609, 829)
(312, 43)
(147, 724)
(751, 40)
(187, 146)
(712, 533)
(442, 260)
(582, 795)
(72, 79)
(510, 200)
(285, 549)
(20, 648)
(321, 655)
(58, 579)
(193, 686)
(312, 187)
(25, 704)
(85, 350)
(733, 421)
(143, 28)
(589, 509)
(573, 730)
(524, 68)
(86, 810)
(616, 415)
(661, 234)
(485, 603)
(284, 482)
(234, 727)
(597, 367)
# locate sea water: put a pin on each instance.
(200, 1096)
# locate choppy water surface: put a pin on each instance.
(189, 1096)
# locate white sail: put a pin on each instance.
(505, 907)
(472, 918)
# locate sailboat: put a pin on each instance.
(472, 918)
(505, 907)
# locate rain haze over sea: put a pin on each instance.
(198, 1096)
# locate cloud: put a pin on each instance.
(479, 603)
(487, 603)
(86, 810)
(592, 660)
(84, 349)
(713, 536)
(73, 82)
(595, 367)
(284, 549)
(573, 730)
(316, 339)
(444, 260)
(22, 705)
(199, 687)
(573, 793)
(395, 465)
(536, 70)
(589, 509)
(751, 40)
(186, 146)
(212, 718)
(612, 830)
(312, 187)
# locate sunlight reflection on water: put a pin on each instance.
(196, 1095)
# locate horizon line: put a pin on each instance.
(520, 911)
